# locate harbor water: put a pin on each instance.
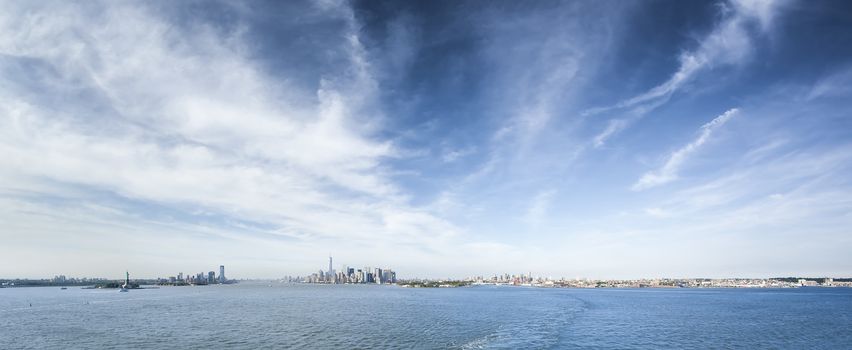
(275, 315)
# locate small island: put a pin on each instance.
(114, 285)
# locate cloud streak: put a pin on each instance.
(669, 171)
(730, 42)
(538, 208)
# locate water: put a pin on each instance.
(260, 316)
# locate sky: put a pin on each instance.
(577, 139)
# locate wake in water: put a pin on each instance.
(535, 325)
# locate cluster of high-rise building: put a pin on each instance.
(200, 278)
(351, 275)
(61, 279)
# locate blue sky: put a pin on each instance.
(599, 139)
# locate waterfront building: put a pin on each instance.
(222, 274)
(807, 283)
(388, 276)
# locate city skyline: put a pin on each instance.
(597, 139)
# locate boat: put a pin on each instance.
(64, 288)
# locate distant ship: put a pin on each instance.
(126, 285)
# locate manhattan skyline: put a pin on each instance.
(590, 139)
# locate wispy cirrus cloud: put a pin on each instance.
(730, 42)
(669, 171)
(129, 103)
(838, 84)
(538, 208)
(455, 154)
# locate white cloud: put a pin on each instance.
(538, 208)
(130, 104)
(669, 171)
(838, 84)
(455, 154)
(799, 193)
(657, 212)
(730, 42)
(762, 10)
(613, 126)
(127, 137)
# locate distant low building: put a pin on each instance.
(807, 283)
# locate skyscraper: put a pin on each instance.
(221, 273)
(330, 270)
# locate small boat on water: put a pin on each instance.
(64, 288)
